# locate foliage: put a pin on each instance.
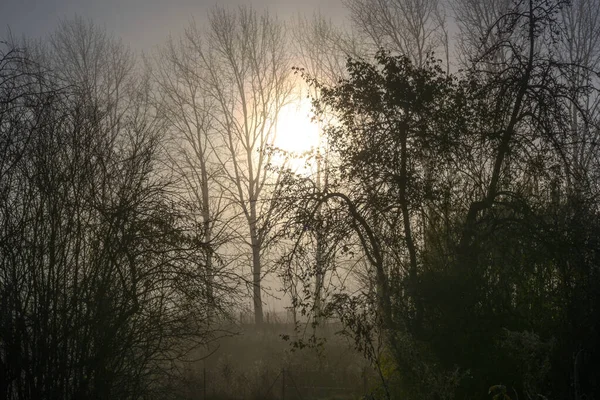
(457, 192)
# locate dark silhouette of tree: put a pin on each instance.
(101, 282)
(478, 289)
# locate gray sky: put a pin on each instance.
(140, 23)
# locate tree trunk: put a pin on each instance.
(256, 266)
(256, 279)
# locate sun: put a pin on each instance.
(296, 132)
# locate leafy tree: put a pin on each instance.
(474, 291)
(418, 115)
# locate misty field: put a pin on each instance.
(261, 365)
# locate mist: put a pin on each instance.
(367, 199)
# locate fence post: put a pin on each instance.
(204, 383)
(283, 384)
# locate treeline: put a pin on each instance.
(448, 219)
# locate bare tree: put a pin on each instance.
(415, 28)
(100, 67)
(320, 47)
(246, 70)
(476, 22)
(576, 50)
(579, 45)
(188, 111)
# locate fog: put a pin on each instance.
(358, 199)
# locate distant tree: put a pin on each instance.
(578, 44)
(477, 23)
(415, 28)
(319, 47)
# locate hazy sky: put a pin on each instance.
(140, 23)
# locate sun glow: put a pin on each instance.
(296, 133)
